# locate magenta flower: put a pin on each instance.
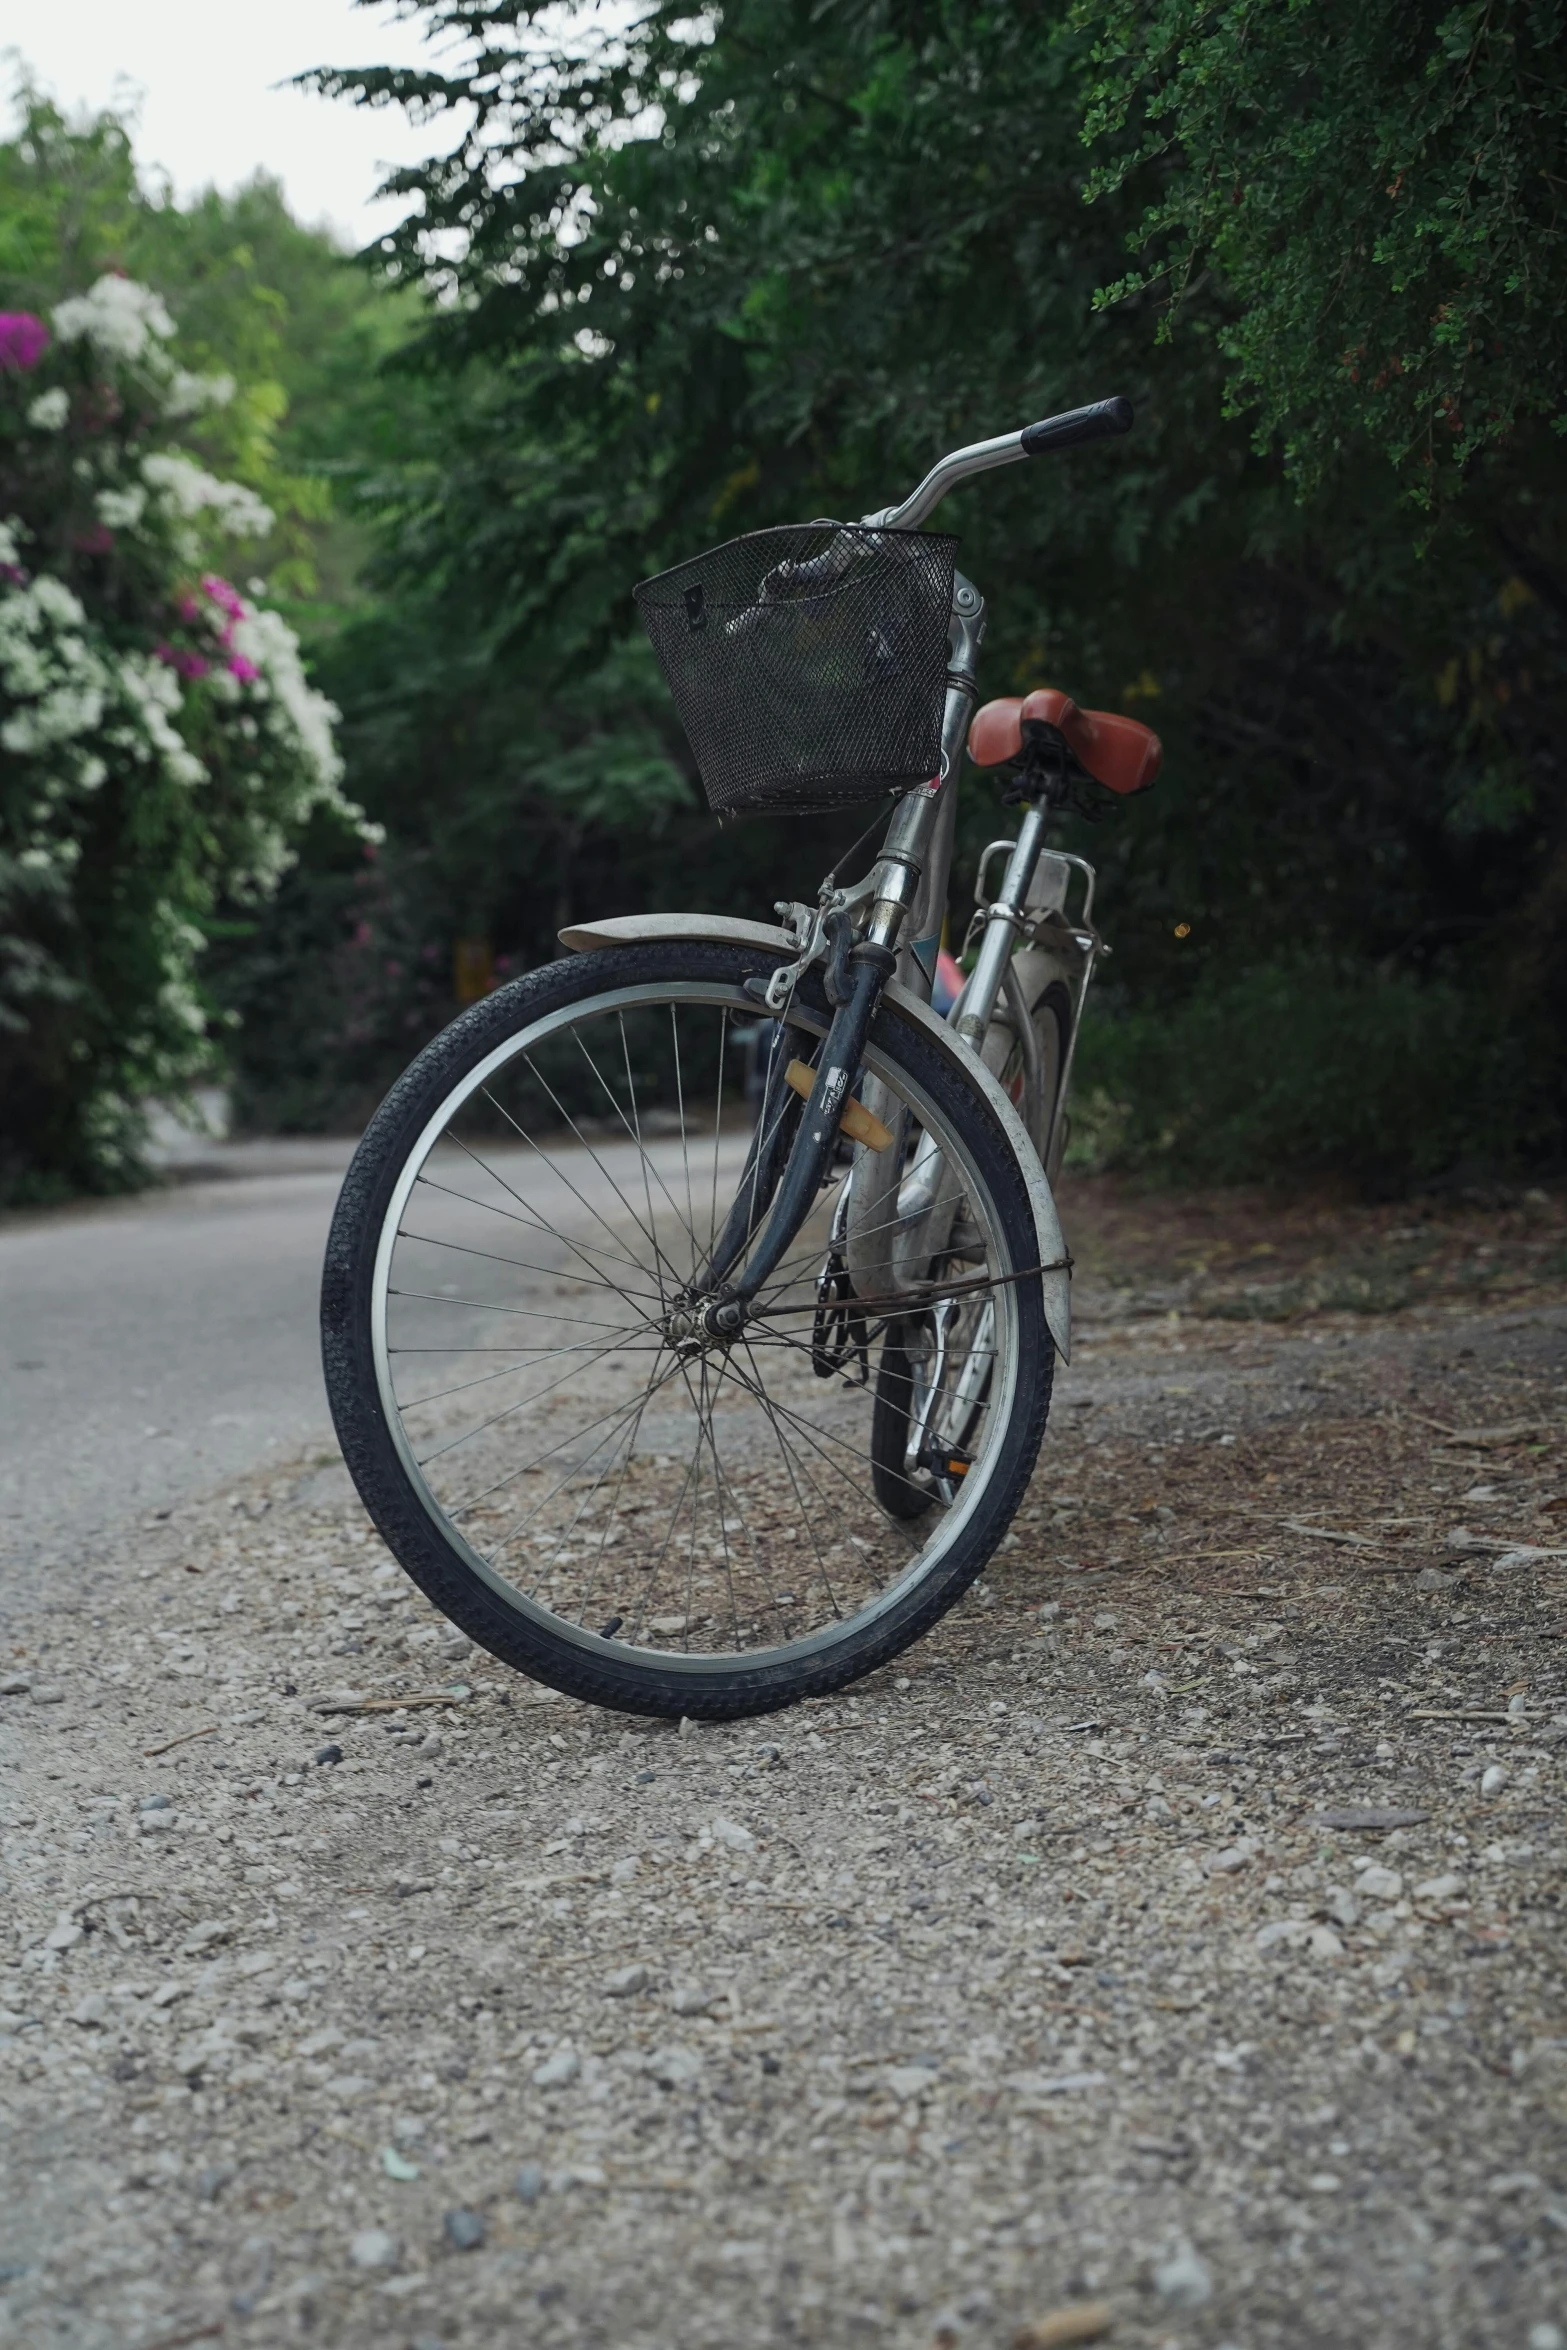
(188, 608)
(228, 599)
(245, 670)
(23, 340)
(96, 541)
(190, 664)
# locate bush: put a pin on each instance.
(161, 744)
(1305, 1066)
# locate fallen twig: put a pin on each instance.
(389, 1705)
(209, 1731)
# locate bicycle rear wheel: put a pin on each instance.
(605, 1499)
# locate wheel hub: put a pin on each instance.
(694, 1325)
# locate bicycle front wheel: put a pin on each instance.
(618, 1505)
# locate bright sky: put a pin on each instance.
(208, 90)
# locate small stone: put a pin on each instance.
(558, 2071)
(47, 1696)
(1440, 1889)
(731, 1834)
(211, 2182)
(455, 1644)
(626, 1981)
(693, 2001)
(1322, 1942)
(464, 2229)
(1377, 1883)
(1342, 1907)
(155, 1803)
(431, 1742)
(909, 2080)
(1183, 2279)
(1545, 2336)
(1225, 1863)
(64, 1934)
(15, 1684)
(90, 2010)
(675, 2068)
(1324, 2182)
(397, 2166)
(1494, 1779)
(528, 2185)
(622, 1871)
(329, 1754)
(373, 2248)
(159, 1823)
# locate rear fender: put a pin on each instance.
(730, 930)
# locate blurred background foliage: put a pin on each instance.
(661, 285)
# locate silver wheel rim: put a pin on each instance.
(819, 1477)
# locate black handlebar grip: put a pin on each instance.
(1101, 422)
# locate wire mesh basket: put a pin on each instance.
(808, 664)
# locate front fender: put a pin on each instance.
(729, 930)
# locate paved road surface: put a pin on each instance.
(151, 1347)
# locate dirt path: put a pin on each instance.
(1179, 1928)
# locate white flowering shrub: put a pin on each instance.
(160, 744)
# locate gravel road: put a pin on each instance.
(1173, 1939)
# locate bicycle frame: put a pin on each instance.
(896, 1219)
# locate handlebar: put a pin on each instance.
(1101, 421)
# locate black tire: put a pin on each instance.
(569, 1657)
(895, 1489)
(1052, 1016)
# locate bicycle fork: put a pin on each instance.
(895, 1215)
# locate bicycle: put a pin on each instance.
(692, 1410)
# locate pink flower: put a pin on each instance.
(245, 671)
(23, 340)
(227, 598)
(96, 541)
(187, 607)
(189, 664)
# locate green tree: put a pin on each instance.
(1379, 188)
(707, 275)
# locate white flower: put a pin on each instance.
(153, 692)
(266, 638)
(121, 509)
(188, 394)
(186, 490)
(58, 684)
(49, 411)
(117, 316)
(10, 549)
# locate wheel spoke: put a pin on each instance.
(640, 1480)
